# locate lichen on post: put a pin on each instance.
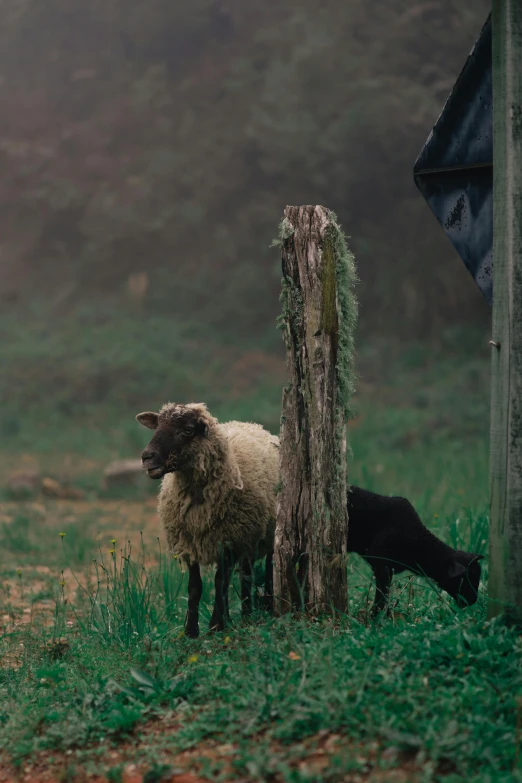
(319, 312)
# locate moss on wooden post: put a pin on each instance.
(505, 566)
(318, 322)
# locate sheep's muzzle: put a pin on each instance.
(154, 465)
(155, 473)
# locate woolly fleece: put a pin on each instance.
(227, 497)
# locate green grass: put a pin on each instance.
(76, 383)
(434, 682)
(437, 688)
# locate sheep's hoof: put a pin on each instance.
(192, 631)
(216, 626)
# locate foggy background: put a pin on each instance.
(147, 154)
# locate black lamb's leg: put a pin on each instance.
(383, 578)
(195, 588)
(247, 567)
(268, 598)
(223, 574)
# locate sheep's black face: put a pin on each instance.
(173, 443)
(463, 578)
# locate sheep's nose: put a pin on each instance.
(149, 457)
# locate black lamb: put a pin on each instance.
(388, 533)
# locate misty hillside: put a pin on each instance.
(166, 139)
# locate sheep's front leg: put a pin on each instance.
(195, 588)
(223, 575)
(383, 578)
(246, 587)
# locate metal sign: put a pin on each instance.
(454, 171)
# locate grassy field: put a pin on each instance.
(96, 678)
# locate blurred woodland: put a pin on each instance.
(168, 138)
(147, 154)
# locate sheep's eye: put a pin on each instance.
(188, 431)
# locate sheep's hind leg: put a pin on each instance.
(223, 574)
(247, 570)
(195, 588)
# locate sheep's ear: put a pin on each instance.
(455, 569)
(148, 419)
(201, 426)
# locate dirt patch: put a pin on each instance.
(356, 763)
(28, 593)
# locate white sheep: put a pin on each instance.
(217, 500)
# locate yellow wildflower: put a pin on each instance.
(112, 551)
(113, 541)
(62, 535)
(227, 639)
(193, 659)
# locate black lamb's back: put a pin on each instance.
(390, 527)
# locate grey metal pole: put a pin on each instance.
(505, 565)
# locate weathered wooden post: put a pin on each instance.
(318, 320)
(505, 564)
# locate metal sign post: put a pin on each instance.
(505, 564)
(470, 173)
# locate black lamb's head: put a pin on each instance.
(462, 577)
(178, 430)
